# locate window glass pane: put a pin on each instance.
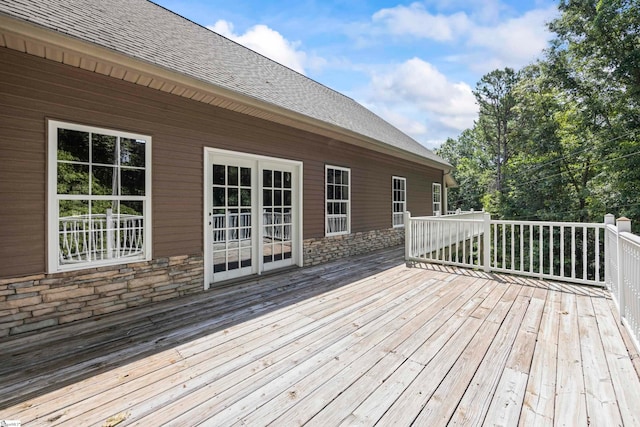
(330, 194)
(277, 179)
(232, 175)
(338, 176)
(245, 177)
(100, 207)
(74, 230)
(267, 180)
(132, 182)
(132, 152)
(105, 180)
(287, 198)
(277, 197)
(73, 208)
(287, 180)
(345, 193)
(73, 178)
(330, 177)
(103, 149)
(131, 208)
(218, 175)
(330, 208)
(338, 192)
(73, 145)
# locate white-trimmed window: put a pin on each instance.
(399, 204)
(338, 200)
(99, 196)
(437, 198)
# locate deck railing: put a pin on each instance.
(622, 272)
(97, 237)
(601, 254)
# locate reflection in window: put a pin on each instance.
(100, 196)
(399, 203)
(338, 208)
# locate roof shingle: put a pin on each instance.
(145, 31)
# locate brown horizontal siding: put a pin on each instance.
(33, 90)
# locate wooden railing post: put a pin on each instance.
(609, 219)
(407, 237)
(624, 226)
(486, 241)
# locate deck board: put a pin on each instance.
(362, 341)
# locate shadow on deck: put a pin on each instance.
(360, 341)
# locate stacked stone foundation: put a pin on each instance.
(35, 302)
(325, 249)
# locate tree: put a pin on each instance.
(494, 95)
(470, 170)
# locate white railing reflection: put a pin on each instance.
(97, 237)
(277, 225)
(337, 223)
(237, 226)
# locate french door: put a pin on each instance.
(252, 215)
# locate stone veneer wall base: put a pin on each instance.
(39, 301)
(325, 249)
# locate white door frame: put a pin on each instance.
(258, 162)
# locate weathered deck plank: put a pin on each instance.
(363, 341)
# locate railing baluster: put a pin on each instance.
(513, 252)
(531, 248)
(503, 231)
(597, 254)
(584, 253)
(551, 250)
(573, 252)
(521, 247)
(540, 249)
(561, 251)
(495, 245)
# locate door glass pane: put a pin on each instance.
(218, 175)
(232, 175)
(231, 220)
(245, 177)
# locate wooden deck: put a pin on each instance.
(364, 341)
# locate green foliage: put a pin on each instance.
(559, 139)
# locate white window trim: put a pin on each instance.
(436, 210)
(326, 201)
(394, 202)
(53, 236)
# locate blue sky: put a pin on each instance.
(413, 63)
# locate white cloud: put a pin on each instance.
(269, 43)
(421, 101)
(515, 42)
(415, 20)
(484, 37)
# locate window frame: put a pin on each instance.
(397, 217)
(436, 210)
(327, 200)
(54, 263)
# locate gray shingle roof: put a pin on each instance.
(148, 32)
